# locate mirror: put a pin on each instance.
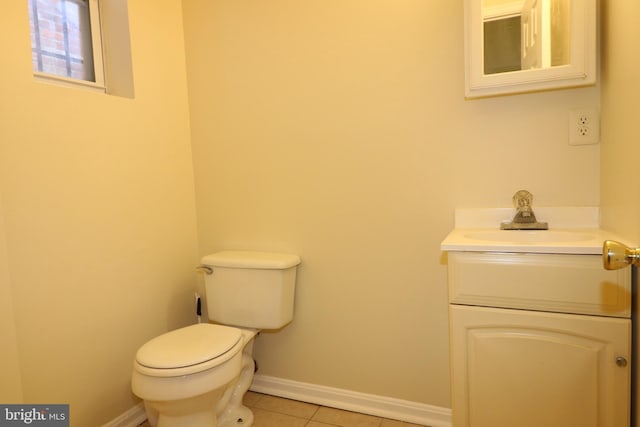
(515, 46)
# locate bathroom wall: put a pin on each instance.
(339, 131)
(99, 217)
(620, 91)
(11, 389)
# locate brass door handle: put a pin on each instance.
(616, 255)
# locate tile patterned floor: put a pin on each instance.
(271, 411)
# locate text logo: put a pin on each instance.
(34, 415)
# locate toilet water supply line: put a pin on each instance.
(198, 307)
(205, 270)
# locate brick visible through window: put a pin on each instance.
(61, 38)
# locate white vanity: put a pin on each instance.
(540, 332)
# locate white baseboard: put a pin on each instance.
(380, 406)
(132, 418)
(386, 407)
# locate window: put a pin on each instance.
(65, 40)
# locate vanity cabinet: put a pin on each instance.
(539, 340)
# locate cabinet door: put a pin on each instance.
(531, 369)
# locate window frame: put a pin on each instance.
(97, 56)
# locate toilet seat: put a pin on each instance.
(188, 350)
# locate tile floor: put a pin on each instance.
(271, 411)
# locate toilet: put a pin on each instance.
(196, 376)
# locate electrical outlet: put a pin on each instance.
(584, 127)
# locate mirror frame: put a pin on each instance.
(580, 72)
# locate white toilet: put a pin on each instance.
(196, 376)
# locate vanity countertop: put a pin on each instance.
(478, 230)
(556, 241)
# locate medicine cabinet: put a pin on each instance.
(516, 46)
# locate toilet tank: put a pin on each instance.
(250, 289)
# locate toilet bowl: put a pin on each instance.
(196, 376)
(190, 376)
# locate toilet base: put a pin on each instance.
(202, 411)
(239, 417)
(232, 412)
(196, 412)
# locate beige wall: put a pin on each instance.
(338, 131)
(620, 93)
(98, 214)
(10, 378)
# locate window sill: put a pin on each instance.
(67, 82)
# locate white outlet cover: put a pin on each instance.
(584, 127)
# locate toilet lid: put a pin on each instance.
(188, 346)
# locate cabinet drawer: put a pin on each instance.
(546, 282)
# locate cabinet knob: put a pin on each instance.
(621, 361)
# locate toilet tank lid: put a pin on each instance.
(251, 259)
